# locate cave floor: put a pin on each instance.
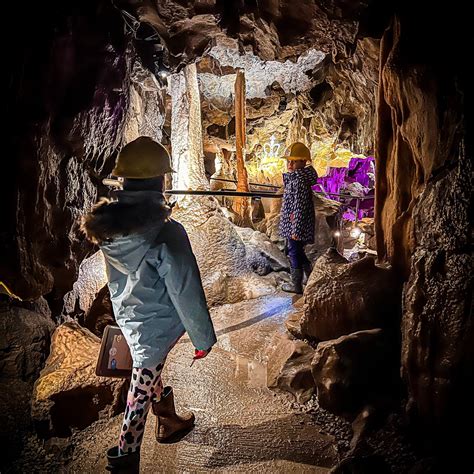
(241, 426)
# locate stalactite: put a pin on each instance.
(241, 204)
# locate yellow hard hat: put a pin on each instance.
(298, 151)
(142, 158)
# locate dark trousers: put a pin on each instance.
(296, 253)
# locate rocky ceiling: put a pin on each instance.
(310, 77)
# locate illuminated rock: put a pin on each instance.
(92, 277)
(341, 297)
(68, 395)
(289, 367)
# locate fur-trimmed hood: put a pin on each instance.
(132, 212)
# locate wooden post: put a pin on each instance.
(241, 204)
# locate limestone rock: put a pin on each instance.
(222, 255)
(68, 395)
(147, 109)
(25, 334)
(293, 322)
(92, 277)
(437, 325)
(259, 74)
(349, 110)
(60, 144)
(270, 227)
(100, 313)
(24, 342)
(263, 255)
(322, 238)
(354, 370)
(423, 220)
(289, 367)
(342, 297)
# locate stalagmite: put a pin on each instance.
(186, 132)
(241, 205)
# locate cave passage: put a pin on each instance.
(318, 156)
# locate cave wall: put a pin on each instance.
(65, 111)
(346, 99)
(75, 93)
(423, 198)
(67, 69)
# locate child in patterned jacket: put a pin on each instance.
(297, 213)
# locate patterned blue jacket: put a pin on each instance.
(297, 212)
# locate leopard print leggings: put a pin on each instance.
(145, 388)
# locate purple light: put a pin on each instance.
(360, 170)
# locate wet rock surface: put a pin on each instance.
(68, 395)
(437, 326)
(66, 104)
(289, 367)
(293, 323)
(342, 297)
(241, 425)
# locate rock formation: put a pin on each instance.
(68, 395)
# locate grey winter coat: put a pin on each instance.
(154, 281)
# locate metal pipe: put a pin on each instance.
(222, 193)
(116, 183)
(251, 184)
(278, 187)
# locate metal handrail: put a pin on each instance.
(251, 184)
(223, 193)
(117, 183)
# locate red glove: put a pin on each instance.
(198, 354)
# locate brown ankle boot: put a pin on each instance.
(170, 427)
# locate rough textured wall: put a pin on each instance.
(147, 108)
(424, 195)
(66, 105)
(419, 127)
(281, 44)
(438, 325)
(346, 100)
